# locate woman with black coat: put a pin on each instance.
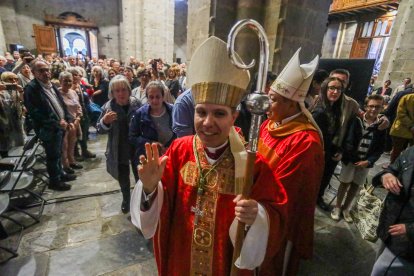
(152, 123)
(114, 120)
(327, 114)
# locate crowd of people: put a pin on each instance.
(148, 110)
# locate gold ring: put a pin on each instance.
(143, 162)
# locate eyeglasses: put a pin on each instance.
(43, 70)
(333, 88)
(374, 106)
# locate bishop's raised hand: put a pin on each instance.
(151, 168)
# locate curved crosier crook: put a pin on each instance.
(264, 50)
(257, 103)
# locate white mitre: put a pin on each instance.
(294, 81)
(213, 78)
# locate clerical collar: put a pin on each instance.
(288, 119)
(215, 153)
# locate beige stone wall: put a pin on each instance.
(3, 47)
(144, 29)
(398, 62)
(198, 24)
(147, 29)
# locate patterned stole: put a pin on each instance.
(219, 181)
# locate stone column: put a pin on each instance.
(398, 62)
(158, 29)
(271, 19)
(302, 23)
(129, 30)
(198, 24)
(247, 44)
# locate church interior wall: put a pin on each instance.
(28, 12)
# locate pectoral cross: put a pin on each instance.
(197, 213)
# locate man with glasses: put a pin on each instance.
(50, 119)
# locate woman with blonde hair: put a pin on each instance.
(100, 86)
(71, 101)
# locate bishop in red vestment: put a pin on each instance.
(291, 143)
(188, 199)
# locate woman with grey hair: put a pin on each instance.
(25, 75)
(71, 100)
(100, 86)
(152, 123)
(114, 120)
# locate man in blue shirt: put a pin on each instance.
(183, 114)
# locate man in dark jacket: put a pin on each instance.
(396, 223)
(50, 118)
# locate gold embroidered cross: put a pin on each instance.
(197, 213)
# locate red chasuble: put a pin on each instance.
(182, 248)
(295, 154)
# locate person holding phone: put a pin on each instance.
(25, 58)
(11, 113)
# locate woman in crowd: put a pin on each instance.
(327, 114)
(115, 121)
(315, 88)
(172, 81)
(152, 123)
(100, 86)
(11, 113)
(25, 75)
(139, 92)
(111, 74)
(74, 108)
(385, 90)
(130, 75)
(84, 119)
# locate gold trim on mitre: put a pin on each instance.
(213, 78)
(217, 93)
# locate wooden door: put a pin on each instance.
(45, 39)
(360, 48)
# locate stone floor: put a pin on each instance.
(90, 236)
